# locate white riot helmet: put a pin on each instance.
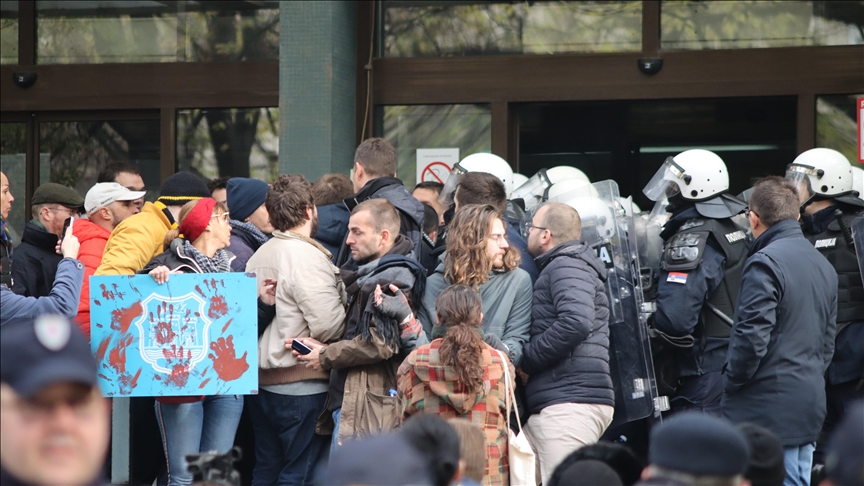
(858, 181)
(481, 162)
(519, 179)
(820, 172)
(696, 174)
(598, 221)
(534, 190)
(564, 190)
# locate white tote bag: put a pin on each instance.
(519, 451)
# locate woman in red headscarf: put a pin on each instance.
(190, 425)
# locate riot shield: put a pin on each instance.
(857, 228)
(605, 228)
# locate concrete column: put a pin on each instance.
(317, 87)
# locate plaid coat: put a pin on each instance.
(427, 386)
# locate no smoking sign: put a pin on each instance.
(434, 165)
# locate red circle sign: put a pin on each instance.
(436, 170)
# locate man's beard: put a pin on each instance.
(313, 231)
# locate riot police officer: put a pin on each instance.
(829, 207)
(703, 257)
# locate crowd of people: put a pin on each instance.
(393, 327)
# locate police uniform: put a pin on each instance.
(696, 295)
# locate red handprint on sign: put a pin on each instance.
(179, 365)
(225, 362)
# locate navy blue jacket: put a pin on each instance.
(34, 263)
(243, 246)
(62, 299)
(679, 304)
(783, 338)
(332, 227)
(567, 356)
(516, 241)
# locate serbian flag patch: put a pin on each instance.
(677, 277)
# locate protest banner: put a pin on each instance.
(195, 335)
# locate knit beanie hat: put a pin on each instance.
(181, 188)
(197, 220)
(245, 196)
(766, 466)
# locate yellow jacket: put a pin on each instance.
(135, 241)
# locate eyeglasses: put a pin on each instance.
(754, 212)
(529, 226)
(499, 239)
(223, 216)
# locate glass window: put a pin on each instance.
(836, 124)
(73, 153)
(13, 163)
(695, 25)
(8, 32)
(442, 28)
(233, 142)
(148, 31)
(466, 127)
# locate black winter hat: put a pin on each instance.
(766, 466)
(245, 196)
(699, 444)
(181, 188)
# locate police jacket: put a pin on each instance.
(703, 275)
(783, 338)
(823, 230)
(35, 263)
(567, 356)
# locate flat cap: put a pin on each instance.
(699, 444)
(53, 193)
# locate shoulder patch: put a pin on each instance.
(677, 277)
(826, 243)
(691, 223)
(735, 236)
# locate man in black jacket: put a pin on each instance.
(35, 262)
(569, 390)
(783, 337)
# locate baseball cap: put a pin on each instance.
(105, 193)
(38, 353)
(51, 192)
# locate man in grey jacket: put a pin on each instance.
(783, 337)
(569, 390)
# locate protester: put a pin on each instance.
(107, 204)
(485, 188)
(428, 192)
(219, 190)
(617, 456)
(459, 375)
(361, 398)
(36, 258)
(587, 472)
(329, 191)
(64, 296)
(783, 337)
(472, 453)
(438, 443)
(695, 448)
(431, 252)
(138, 239)
(250, 221)
(127, 175)
(479, 255)
(6, 200)
(190, 425)
(386, 459)
(309, 302)
(569, 393)
(54, 425)
(765, 466)
(374, 176)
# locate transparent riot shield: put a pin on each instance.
(857, 228)
(605, 228)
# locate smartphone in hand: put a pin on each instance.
(66, 225)
(301, 348)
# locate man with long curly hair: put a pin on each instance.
(480, 256)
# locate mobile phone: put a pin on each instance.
(300, 347)
(66, 224)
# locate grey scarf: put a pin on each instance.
(220, 262)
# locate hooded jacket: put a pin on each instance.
(428, 386)
(136, 241)
(332, 227)
(93, 239)
(35, 261)
(567, 356)
(783, 337)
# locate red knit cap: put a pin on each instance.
(197, 220)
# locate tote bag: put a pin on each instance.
(519, 451)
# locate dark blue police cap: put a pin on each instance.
(38, 353)
(699, 444)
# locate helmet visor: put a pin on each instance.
(800, 176)
(531, 192)
(665, 181)
(449, 190)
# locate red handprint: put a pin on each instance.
(225, 362)
(179, 365)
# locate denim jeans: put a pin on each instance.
(190, 428)
(334, 441)
(287, 449)
(798, 461)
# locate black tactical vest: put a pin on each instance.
(840, 253)
(683, 252)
